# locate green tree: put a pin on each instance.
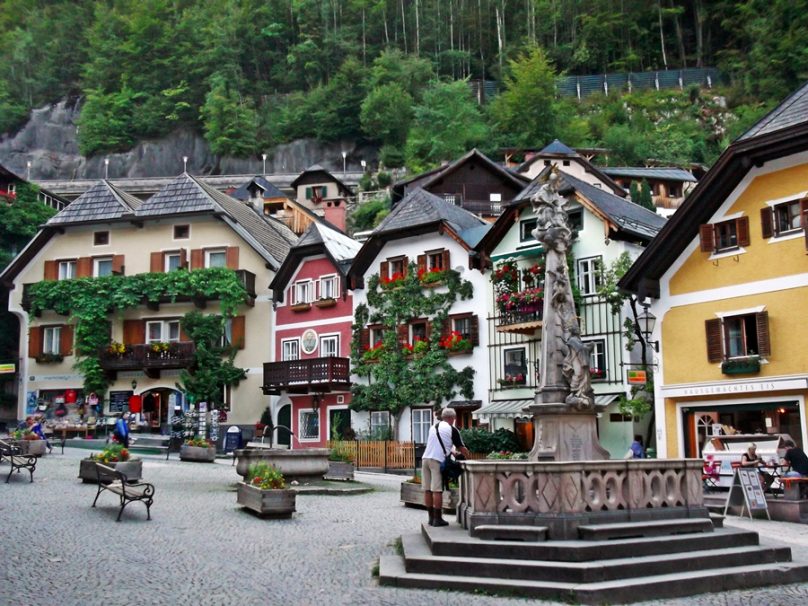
(386, 114)
(20, 220)
(446, 124)
(229, 120)
(524, 113)
(645, 199)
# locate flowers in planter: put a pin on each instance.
(512, 379)
(198, 442)
(392, 281)
(507, 455)
(529, 299)
(418, 346)
(265, 476)
(49, 358)
(454, 341)
(160, 347)
(113, 453)
(374, 351)
(505, 276)
(431, 276)
(116, 349)
(597, 373)
(532, 276)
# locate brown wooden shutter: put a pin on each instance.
(183, 335)
(446, 329)
(183, 258)
(764, 343)
(34, 341)
(475, 330)
(237, 332)
(66, 340)
(51, 270)
(403, 333)
(406, 265)
(156, 266)
(84, 267)
(804, 209)
(766, 228)
(445, 259)
(364, 339)
(384, 271)
(117, 264)
(134, 332)
(197, 258)
(714, 348)
(707, 238)
(231, 257)
(742, 228)
(421, 263)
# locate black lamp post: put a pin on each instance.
(647, 322)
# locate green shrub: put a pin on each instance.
(480, 440)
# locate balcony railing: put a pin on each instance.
(483, 207)
(525, 320)
(305, 376)
(150, 357)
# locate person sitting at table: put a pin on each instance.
(751, 459)
(36, 428)
(796, 459)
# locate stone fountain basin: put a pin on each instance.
(308, 463)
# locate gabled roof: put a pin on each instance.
(558, 148)
(4, 172)
(316, 168)
(641, 172)
(102, 202)
(780, 134)
(317, 239)
(419, 212)
(269, 191)
(428, 178)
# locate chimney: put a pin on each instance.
(335, 213)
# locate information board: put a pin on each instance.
(747, 492)
(119, 400)
(232, 439)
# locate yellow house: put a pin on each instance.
(728, 278)
(188, 225)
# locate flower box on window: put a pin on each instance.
(431, 278)
(597, 373)
(326, 303)
(512, 380)
(300, 307)
(49, 358)
(741, 366)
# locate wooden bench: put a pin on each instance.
(116, 483)
(795, 488)
(17, 461)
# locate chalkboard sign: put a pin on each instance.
(118, 400)
(747, 492)
(232, 439)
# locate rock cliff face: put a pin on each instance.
(49, 142)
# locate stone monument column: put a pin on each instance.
(564, 414)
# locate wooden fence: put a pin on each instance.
(384, 454)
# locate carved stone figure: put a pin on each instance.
(576, 370)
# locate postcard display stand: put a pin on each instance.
(747, 493)
(200, 423)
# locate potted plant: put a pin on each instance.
(340, 462)
(115, 456)
(432, 277)
(264, 492)
(198, 449)
(29, 442)
(412, 494)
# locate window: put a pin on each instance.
(51, 339)
(575, 219)
(215, 258)
(421, 421)
(565, 162)
(725, 235)
(526, 228)
(100, 238)
(329, 287)
(782, 219)
(515, 369)
(547, 163)
(435, 260)
(418, 331)
(182, 232)
(67, 270)
(309, 425)
(318, 191)
(162, 331)
(674, 190)
(496, 202)
(329, 346)
(376, 336)
(597, 362)
(290, 350)
(396, 267)
(452, 199)
(463, 326)
(738, 336)
(172, 261)
(379, 425)
(102, 267)
(589, 278)
(303, 292)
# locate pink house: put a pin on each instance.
(312, 339)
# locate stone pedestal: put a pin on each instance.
(564, 435)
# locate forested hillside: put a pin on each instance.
(253, 73)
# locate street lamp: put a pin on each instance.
(185, 164)
(364, 165)
(28, 170)
(106, 168)
(344, 156)
(647, 322)
(264, 159)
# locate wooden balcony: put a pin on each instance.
(524, 321)
(144, 357)
(313, 375)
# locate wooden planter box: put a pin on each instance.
(203, 454)
(741, 367)
(300, 307)
(340, 470)
(325, 303)
(269, 503)
(412, 495)
(132, 469)
(35, 448)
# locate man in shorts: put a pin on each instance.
(434, 454)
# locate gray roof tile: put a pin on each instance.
(641, 172)
(792, 111)
(341, 247)
(102, 202)
(269, 190)
(419, 207)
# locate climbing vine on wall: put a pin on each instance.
(400, 375)
(88, 302)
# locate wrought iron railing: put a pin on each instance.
(312, 374)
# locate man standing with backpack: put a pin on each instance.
(443, 438)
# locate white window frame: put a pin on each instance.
(589, 275)
(165, 331)
(598, 351)
(329, 339)
(305, 288)
(420, 426)
(215, 251)
(67, 269)
(375, 335)
(289, 348)
(433, 258)
(333, 281)
(52, 340)
(379, 414)
(526, 367)
(793, 230)
(301, 414)
(167, 261)
(530, 222)
(97, 261)
(455, 322)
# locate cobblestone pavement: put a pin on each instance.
(200, 548)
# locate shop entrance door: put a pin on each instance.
(339, 422)
(284, 426)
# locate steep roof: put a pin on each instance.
(242, 192)
(316, 168)
(641, 172)
(558, 148)
(419, 208)
(341, 247)
(102, 202)
(782, 133)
